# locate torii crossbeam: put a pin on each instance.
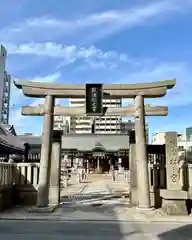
(147, 90)
(80, 111)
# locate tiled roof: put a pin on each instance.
(9, 128)
(8, 140)
(30, 139)
(85, 142)
(88, 142)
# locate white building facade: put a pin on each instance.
(61, 123)
(5, 82)
(80, 124)
(158, 138)
(109, 124)
(183, 143)
(97, 125)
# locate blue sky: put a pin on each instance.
(108, 41)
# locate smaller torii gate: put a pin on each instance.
(139, 111)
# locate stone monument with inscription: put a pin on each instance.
(173, 197)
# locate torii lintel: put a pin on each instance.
(148, 90)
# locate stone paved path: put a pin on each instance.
(73, 189)
(101, 190)
(96, 187)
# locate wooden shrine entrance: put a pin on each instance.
(97, 162)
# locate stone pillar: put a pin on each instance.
(173, 198)
(26, 152)
(110, 164)
(54, 183)
(190, 178)
(46, 145)
(141, 156)
(98, 165)
(133, 176)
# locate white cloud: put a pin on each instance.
(52, 49)
(91, 56)
(178, 96)
(48, 79)
(101, 23)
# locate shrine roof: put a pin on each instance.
(30, 139)
(90, 142)
(85, 142)
(9, 140)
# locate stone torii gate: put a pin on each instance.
(136, 91)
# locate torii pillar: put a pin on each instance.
(141, 156)
(46, 150)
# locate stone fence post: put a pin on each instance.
(190, 179)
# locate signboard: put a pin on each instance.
(94, 99)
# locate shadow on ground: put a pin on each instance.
(62, 230)
(90, 196)
(180, 233)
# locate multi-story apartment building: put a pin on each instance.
(109, 124)
(188, 133)
(80, 124)
(62, 123)
(97, 125)
(5, 81)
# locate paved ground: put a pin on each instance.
(84, 218)
(92, 229)
(97, 188)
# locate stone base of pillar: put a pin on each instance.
(98, 171)
(133, 196)
(154, 198)
(190, 193)
(48, 209)
(142, 210)
(174, 202)
(54, 196)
